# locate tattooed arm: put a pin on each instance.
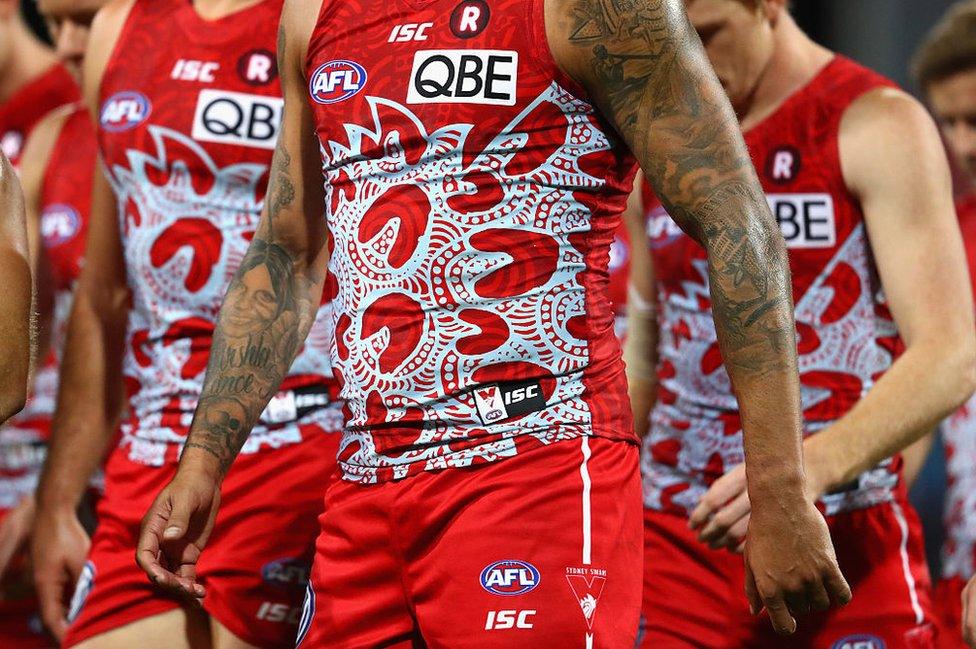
(268, 311)
(643, 65)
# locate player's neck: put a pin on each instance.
(217, 9)
(28, 59)
(795, 61)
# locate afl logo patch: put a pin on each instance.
(783, 165)
(336, 81)
(470, 18)
(59, 223)
(257, 67)
(510, 578)
(124, 110)
(862, 641)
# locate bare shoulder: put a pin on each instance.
(889, 125)
(40, 145)
(298, 18)
(105, 31)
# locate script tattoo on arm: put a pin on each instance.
(643, 63)
(268, 310)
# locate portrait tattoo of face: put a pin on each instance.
(261, 293)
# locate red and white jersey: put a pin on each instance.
(30, 104)
(189, 115)
(959, 435)
(473, 196)
(65, 203)
(619, 268)
(846, 336)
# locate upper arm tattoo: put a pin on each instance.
(645, 67)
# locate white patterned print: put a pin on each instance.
(959, 549)
(181, 250)
(695, 419)
(439, 280)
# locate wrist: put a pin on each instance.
(822, 472)
(198, 460)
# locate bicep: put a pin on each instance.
(909, 214)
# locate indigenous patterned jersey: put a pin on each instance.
(65, 203)
(473, 196)
(29, 105)
(959, 435)
(189, 116)
(846, 335)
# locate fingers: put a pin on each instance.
(752, 593)
(725, 489)
(817, 597)
(779, 615)
(163, 555)
(837, 587)
(717, 532)
(50, 584)
(147, 550)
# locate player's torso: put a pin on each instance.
(473, 197)
(19, 114)
(189, 116)
(846, 337)
(959, 435)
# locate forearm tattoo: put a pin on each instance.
(645, 66)
(268, 311)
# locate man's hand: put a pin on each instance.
(176, 529)
(969, 614)
(59, 546)
(791, 568)
(14, 531)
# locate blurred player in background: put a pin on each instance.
(36, 89)
(17, 605)
(32, 81)
(856, 175)
(188, 104)
(489, 433)
(945, 68)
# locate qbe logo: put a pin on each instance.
(336, 81)
(862, 641)
(806, 220)
(124, 110)
(59, 223)
(237, 118)
(464, 77)
(510, 577)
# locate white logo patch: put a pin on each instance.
(806, 220)
(237, 118)
(464, 77)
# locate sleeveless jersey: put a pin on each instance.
(189, 116)
(846, 336)
(29, 105)
(959, 435)
(473, 196)
(65, 203)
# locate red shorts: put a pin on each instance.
(695, 597)
(20, 621)
(948, 596)
(255, 566)
(542, 549)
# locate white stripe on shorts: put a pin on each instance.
(905, 563)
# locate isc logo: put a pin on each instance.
(124, 110)
(510, 578)
(806, 220)
(464, 77)
(237, 118)
(859, 642)
(409, 32)
(336, 81)
(275, 612)
(509, 619)
(192, 70)
(59, 223)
